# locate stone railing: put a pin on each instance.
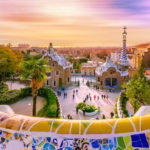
(18, 132)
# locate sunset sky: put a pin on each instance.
(74, 22)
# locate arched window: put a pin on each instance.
(111, 82)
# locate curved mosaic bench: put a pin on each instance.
(62, 134)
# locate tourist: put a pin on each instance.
(90, 98)
(73, 96)
(76, 91)
(97, 97)
(76, 110)
(73, 91)
(107, 97)
(87, 97)
(64, 95)
(68, 116)
(104, 96)
(94, 97)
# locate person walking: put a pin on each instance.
(64, 94)
(107, 97)
(94, 97)
(73, 91)
(73, 96)
(97, 97)
(76, 91)
(104, 96)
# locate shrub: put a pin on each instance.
(50, 108)
(86, 108)
(27, 91)
(81, 105)
(90, 108)
(3, 87)
(10, 97)
(124, 100)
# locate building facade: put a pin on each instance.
(60, 76)
(88, 69)
(138, 57)
(110, 75)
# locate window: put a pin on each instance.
(48, 74)
(111, 82)
(57, 73)
(54, 83)
(47, 83)
(108, 81)
(114, 81)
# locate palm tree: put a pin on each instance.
(35, 70)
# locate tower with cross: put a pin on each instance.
(123, 60)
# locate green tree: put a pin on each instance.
(8, 62)
(138, 89)
(35, 71)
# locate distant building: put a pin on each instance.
(138, 56)
(39, 49)
(110, 75)
(88, 69)
(21, 47)
(60, 75)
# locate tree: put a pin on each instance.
(8, 62)
(138, 89)
(35, 70)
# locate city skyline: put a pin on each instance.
(74, 22)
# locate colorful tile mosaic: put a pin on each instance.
(59, 134)
(133, 142)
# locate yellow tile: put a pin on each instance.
(56, 124)
(65, 128)
(136, 121)
(145, 122)
(75, 127)
(100, 127)
(43, 126)
(124, 126)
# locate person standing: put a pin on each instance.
(107, 97)
(104, 96)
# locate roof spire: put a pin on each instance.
(50, 49)
(124, 60)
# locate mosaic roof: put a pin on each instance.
(108, 64)
(60, 59)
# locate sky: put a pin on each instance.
(74, 22)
